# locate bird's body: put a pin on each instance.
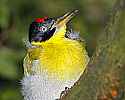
(52, 65)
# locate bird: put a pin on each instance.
(55, 58)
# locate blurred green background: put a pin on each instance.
(15, 17)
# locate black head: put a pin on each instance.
(41, 29)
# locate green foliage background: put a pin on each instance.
(15, 17)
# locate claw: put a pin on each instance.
(64, 92)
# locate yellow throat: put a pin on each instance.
(61, 57)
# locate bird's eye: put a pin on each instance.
(43, 29)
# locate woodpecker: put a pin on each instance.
(56, 58)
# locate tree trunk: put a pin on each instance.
(104, 78)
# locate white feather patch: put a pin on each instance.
(37, 87)
(40, 87)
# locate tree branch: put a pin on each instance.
(104, 78)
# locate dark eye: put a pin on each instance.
(43, 28)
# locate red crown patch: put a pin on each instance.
(41, 20)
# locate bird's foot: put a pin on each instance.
(64, 92)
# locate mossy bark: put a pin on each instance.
(104, 78)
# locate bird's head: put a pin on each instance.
(42, 29)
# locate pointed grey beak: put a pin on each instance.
(65, 18)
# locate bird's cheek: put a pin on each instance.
(37, 37)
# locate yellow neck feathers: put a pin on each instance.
(62, 58)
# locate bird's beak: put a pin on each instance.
(65, 18)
